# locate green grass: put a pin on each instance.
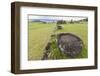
(38, 37)
(40, 34)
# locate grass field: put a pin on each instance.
(40, 33)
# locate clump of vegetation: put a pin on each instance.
(55, 52)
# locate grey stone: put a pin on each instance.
(69, 44)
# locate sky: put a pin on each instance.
(67, 18)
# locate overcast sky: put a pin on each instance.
(67, 18)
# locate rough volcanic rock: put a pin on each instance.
(69, 44)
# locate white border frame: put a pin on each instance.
(25, 64)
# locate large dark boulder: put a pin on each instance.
(69, 44)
